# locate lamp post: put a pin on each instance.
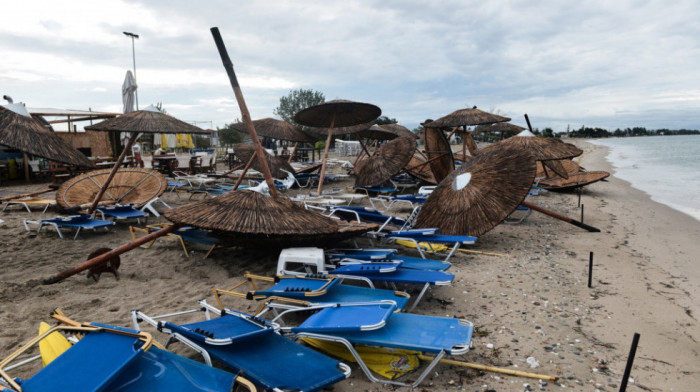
(133, 54)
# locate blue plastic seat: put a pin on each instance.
(252, 346)
(357, 324)
(78, 222)
(119, 212)
(106, 359)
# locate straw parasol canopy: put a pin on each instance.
(439, 153)
(350, 129)
(337, 113)
(504, 127)
(483, 192)
(276, 129)
(576, 180)
(148, 120)
(20, 131)
(391, 159)
(548, 150)
(570, 166)
(399, 130)
(419, 168)
(129, 186)
(277, 164)
(245, 217)
(465, 117)
(375, 132)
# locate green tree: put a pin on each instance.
(297, 100)
(229, 136)
(381, 120)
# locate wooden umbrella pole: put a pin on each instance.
(294, 151)
(426, 162)
(102, 190)
(229, 171)
(228, 65)
(490, 368)
(560, 217)
(325, 156)
(6, 198)
(245, 170)
(114, 252)
(25, 159)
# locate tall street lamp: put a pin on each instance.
(133, 54)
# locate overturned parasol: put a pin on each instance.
(481, 194)
(128, 186)
(439, 152)
(278, 165)
(391, 159)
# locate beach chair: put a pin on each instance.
(122, 213)
(299, 261)
(430, 236)
(110, 358)
(78, 222)
(182, 235)
(194, 181)
(303, 291)
(378, 190)
(379, 325)
(151, 206)
(334, 256)
(28, 202)
(389, 202)
(369, 215)
(252, 346)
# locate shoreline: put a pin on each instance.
(658, 198)
(536, 304)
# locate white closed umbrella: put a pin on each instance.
(128, 93)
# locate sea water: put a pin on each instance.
(665, 167)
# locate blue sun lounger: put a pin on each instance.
(303, 291)
(118, 359)
(367, 214)
(119, 212)
(78, 222)
(379, 325)
(421, 235)
(252, 346)
(391, 272)
(378, 254)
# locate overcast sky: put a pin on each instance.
(608, 64)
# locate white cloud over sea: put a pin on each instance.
(597, 63)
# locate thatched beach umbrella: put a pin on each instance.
(439, 153)
(469, 116)
(504, 127)
(148, 120)
(419, 168)
(276, 164)
(548, 150)
(463, 118)
(483, 192)
(20, 131)
(332, 114)
(276, 129)
(575, 180)
(129, 186)
(242, 217)
(391, 159)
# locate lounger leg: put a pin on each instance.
(454, 249)
(76, 233)
(419, 297)
(428, 369)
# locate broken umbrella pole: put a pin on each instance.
(95, 261)
(245, 114)
(560, 217)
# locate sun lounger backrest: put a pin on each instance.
(86, 366)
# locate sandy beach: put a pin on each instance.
(645, 280)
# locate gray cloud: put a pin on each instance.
(608, 64)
